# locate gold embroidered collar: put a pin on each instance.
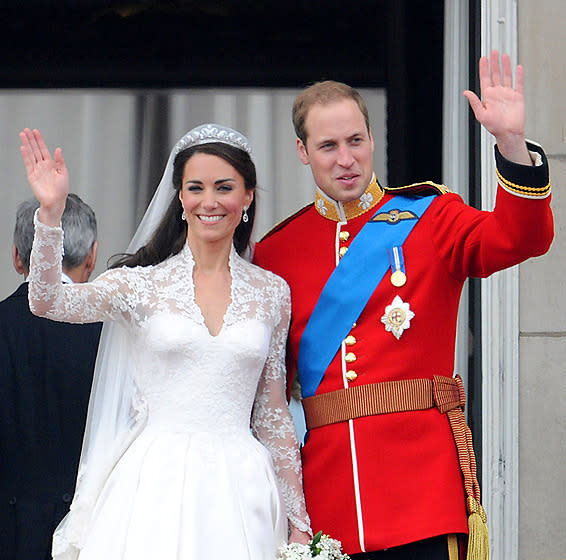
(344, 211)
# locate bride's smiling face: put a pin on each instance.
(213, 196)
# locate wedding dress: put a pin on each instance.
(190, 481)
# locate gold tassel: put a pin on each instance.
(478, 538)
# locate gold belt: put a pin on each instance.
(447, 394)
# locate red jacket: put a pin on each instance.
(383, 481)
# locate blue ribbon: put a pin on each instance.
(350, 286)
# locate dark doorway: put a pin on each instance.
(397, 45)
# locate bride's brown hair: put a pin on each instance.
(170, 235)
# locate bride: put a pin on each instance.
(192, 357)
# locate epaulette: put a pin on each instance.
(424, 188)
(287, 220)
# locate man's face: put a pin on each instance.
(339, 149)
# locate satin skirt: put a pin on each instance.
(196, 496)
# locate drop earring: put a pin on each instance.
(183, 216)
(245, 217)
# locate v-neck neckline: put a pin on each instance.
(227, 311)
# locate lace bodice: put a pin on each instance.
(189, 379)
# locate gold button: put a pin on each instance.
(343, 251)
(351, 375)
(350, 340)
(354, 325)
(344, 235)
(350, 357)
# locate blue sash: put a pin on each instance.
(352, 283)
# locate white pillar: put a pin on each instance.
(500, 335)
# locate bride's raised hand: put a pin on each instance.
(48, 176)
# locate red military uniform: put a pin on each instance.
(382, 481)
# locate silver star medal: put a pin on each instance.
(397, 317)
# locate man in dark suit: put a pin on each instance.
(45, 377)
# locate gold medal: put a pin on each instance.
(398, 278)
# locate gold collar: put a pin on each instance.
(344, 211)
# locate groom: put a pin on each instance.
(376, 275)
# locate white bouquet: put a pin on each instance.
(321, 547)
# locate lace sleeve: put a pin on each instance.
(105, 298)
(273, 426)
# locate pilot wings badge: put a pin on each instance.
(394, 216)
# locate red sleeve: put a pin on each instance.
(478, 243)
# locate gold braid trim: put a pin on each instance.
(532, 192)
(453, 547)
(478, 537)
(423, 186)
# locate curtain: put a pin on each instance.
(115, 144)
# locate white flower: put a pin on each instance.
(365, 200)
(321, 206)
(324, 548)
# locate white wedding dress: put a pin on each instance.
(192, 482)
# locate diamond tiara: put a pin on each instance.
(210, 132)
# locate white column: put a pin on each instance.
(500, 336)
(455, 166)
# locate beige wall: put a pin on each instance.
(542, 413)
